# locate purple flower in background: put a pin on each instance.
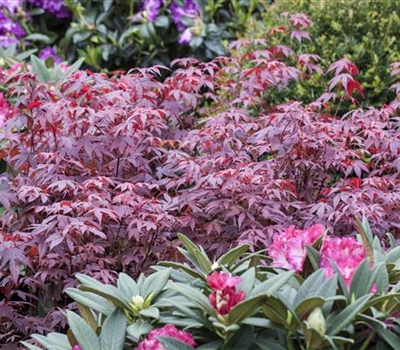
(49, 52)
(189, 9)
(11, 5)
(149, 11)
(185, 37)
(152, 8)
(56, 7)
(10, 32)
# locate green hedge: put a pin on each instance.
(366, 32)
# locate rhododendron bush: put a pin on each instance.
(239, 302)
(103, 171)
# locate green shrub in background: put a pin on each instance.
(121, 34)
(366, 32)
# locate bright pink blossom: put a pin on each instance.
(346, 252)
(169, 330)
(288, 249)
(76, 347)
(224, 295)
(4, 109)
(221, 280)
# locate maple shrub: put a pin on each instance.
(102, 171)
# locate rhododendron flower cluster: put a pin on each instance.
(169, 330)
(288, 249)
(179, 11)
(4, 109)
(346, 252)
(55, 7)
(224, 295)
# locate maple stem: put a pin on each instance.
(116, 170)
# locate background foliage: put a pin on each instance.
(363, 31)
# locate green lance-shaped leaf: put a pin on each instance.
(243, 339)
(193, 295)
(366, 236)
(308, 305)
(309, 287)
(346, 316)
(248, 280)
(151, 312)
(276, 310)
(393, 256)
(361, 282)
(113, 331)
(200, 258)
(30, 346)
(91, 300)
(272, 284)
(173, 344)
(139, 328)
(185, 268)
(52, 341)
(87, 315)
(127, 285)
(85, 335)
(245, 308)
(234, 254)
(155, 283)
(40, 69)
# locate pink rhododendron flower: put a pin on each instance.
(224, 295)
(4, 110)
(346, 252)
(288, 249)
(76, 347)
(169, 330)
(221, 280)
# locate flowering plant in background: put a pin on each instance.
(169, 330)
(10, 31)
(49, 51)
(288, 248)
(345, 252)
(57, 8)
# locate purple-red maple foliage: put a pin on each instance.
(104, 171)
